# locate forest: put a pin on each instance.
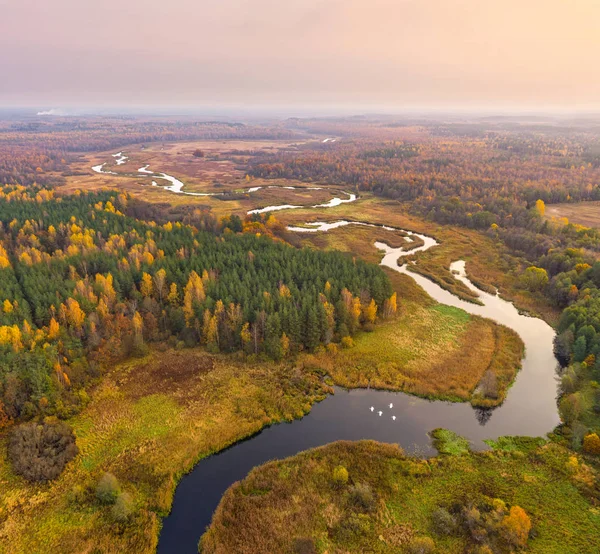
(84, 284)
(34, 150)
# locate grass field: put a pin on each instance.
(387, 503)
(581, 213)
(429, 350)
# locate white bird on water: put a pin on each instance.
(394, 417)
(391, 405)
(372, 408)
(380, 413)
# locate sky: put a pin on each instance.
(404, 54)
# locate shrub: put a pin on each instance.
(123, 507)
(421, 545)
(332, 348)
(347, 342)
(77, 495)
(40, 452)
(108, 489)
(340, 475)
(362, 497)
(591, 444)
(444, 522)
(515, 527)
(352, 527)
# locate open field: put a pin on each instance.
(429, 350)
(581, 213)
(387, 502)
(222, 169)
(148, 422)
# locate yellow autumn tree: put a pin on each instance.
(53, 329)
(516, 526)
(7, 307)
(355, 311)
(370, 311)
(284, 291)
(74, 314)
(147, 285)
(540, 206)
(11, 334)
(285, 345)
(160, 282)
(390, 306)
(173, 296)
(193, 293)
(245, 335)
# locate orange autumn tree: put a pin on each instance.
(515, 527)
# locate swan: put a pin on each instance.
(391, 405)
(394, 417)
(372, 408)
(380, 413)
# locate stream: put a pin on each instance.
(176, 186)
(529, 409)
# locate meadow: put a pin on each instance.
(580, 213)
(370, 497)
(429, 350)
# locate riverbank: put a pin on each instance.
(429, 350)
(368, 496)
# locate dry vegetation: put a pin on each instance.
(370, 497)
(580, 213)
(429, 350)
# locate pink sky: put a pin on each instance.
(405, 53)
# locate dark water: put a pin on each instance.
(530, 409)
(343, 416)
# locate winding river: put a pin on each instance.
(176, 187)
(530, 409)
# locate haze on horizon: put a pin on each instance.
(405, 53)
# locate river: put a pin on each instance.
(529, 409)
(177, 185)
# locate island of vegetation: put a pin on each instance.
(365, 496)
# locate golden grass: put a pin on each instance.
(581, 213)
(429, 350)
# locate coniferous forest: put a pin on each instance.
(84, 283)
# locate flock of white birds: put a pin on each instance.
(380, 413)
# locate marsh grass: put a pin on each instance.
(300, 501)
(430, 350)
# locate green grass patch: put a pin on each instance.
(449, 443)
